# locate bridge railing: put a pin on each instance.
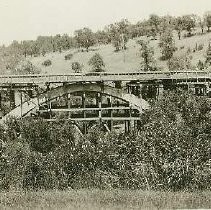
(105, 76)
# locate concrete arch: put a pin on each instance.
(29, 106)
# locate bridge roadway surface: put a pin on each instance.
(39, 79)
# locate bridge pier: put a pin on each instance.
(135, 89)
(16, 98)
(127, 126)
(201, 89)
(118, 84)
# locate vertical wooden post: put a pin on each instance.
(84, 112)
(21, 95)
(84, 104)
(0, 99)
(110, 123)
(100, 106)
(68, 105)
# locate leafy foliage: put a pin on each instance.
(76, 67)
(85, 38)
(189, 23)
(171, 151)
(97, 63)
(208, 56)
(207, 18)
(177, 63)
(118, 33)
(147, 54)
(47, 63)
(167, 44)
(26, 67)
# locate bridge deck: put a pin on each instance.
(6, 80)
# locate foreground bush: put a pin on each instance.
(170, 151)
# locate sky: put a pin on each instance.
(26, 19)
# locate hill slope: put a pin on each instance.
(122, 61)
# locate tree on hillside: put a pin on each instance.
(85, 38)
(143, 28)
(102, 37)
(147, 54)
(97, 63)
(201, 23)
(154, 22)
(118, 34)
(165, 22)
(26, 47)
(208, 55)
(167, 44)
(178, 26)
(207, 18)
(189, 23)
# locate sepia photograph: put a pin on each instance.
(105, 104)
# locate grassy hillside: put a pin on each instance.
(122, 61)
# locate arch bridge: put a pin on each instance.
(107, 98)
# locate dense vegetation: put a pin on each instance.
(170, 151)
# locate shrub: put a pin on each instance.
(27, 67)
(47, 63)
(77, 67)
(68, 56)
(177, 63)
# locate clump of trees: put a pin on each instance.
(97, 63)
(85, 38)
(119, 34)
(26, 67)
